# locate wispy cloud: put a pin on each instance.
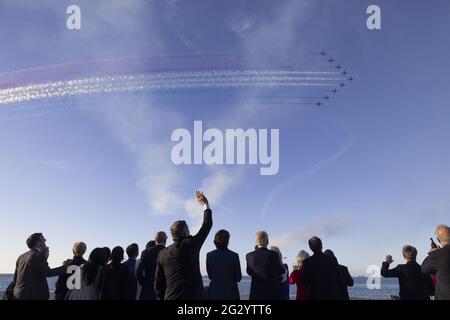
(304, 174)
(324, 227)
(140, 127)
(215, 186)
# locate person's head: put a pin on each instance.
(409, 253)
(150, 244)
(36, 240)
(262, 239)
(443, 234)
(330, 253)
(132, 251)
(301, 256)
(96, 256)
(79, 249)
(278, 251)
(221, 239)
(96, 259)
(179, 230)
(160, 238)
(106, 254)
(315, 244)
(117, 255)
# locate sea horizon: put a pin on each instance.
(359, 291)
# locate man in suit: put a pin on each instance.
(413, 284)
(264, 266)
(177, 274)
(346, 278)
(321, 273)
(438, 263)
(147, 267)
(32, 270)
(224, 269)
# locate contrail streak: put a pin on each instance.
(166, 81)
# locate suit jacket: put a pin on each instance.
(321, 273)
(177, 274)
(224, 271)
(438, 262)
(30, 276)
(130, 264)
(346, 281)
(146, 272)
(113, 282)
(61, 284)
(264, 267)
(413, 284)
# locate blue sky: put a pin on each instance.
(368, 172)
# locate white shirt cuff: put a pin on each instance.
(206, 206)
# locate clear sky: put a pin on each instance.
(368, 172)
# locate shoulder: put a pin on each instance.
(343, 268)
(234, 254)
(211, 254)
(272, 253)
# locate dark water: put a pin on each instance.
(358, 291)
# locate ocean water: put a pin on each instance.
(359, 290)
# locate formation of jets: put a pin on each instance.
(344, 73)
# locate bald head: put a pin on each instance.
(443, 234)
(262, 239)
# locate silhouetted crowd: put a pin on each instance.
(173, 272)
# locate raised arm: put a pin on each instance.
(429, 265)
(202, 234)
(41, 264)
(389, 273)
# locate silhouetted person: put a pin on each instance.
(90, 277)
(321, 273)
(131, 264)
(78, 250)
(178, 269)
(264, 266)
(284, 278)
(32, 271)
(303, 292)
(148, 246)
(413, 284)
(224, 269)
(147, 268)
(114, 277)
(346, 278)
(107, 255)
(438, 263)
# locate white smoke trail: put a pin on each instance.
(164, 81)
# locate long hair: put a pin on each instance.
(90, 268)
